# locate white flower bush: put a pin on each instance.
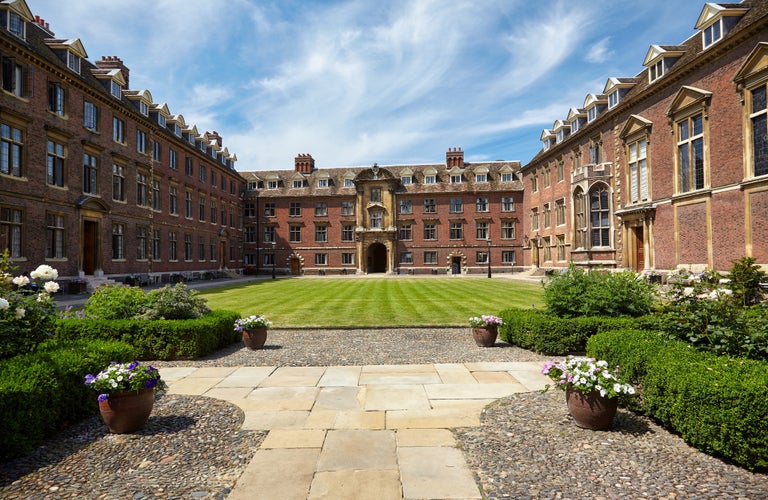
(586, 375)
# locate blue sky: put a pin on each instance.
(364, 81)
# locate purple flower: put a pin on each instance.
(133, 365)
(102, 398)
(150, 383)
(89, 379)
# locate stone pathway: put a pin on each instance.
(359, 432)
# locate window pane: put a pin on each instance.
(760, 143)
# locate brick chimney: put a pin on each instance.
(114, 62)
(215, 136)
(304, 162)
(454, 158)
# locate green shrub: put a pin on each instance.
(115, 302)
(159, 339)
(577, 292)
(547, 334)
(178, 302)
(44, 391)
(717, 404)
(746, 277)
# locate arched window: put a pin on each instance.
(599, 215)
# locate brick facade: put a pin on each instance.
(89, 167)
(665, 213)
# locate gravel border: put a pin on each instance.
(526, 446)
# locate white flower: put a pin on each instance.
(44, 272)
(724, 281)
(51, 287)
(688, 291)
(21, 281)
(4, 304)
(20, 312)
(617, 387)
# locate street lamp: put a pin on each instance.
(274, 258)
(489, 255)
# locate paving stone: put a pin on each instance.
(192, 386)
(431, 419)
(470, 405)
(340, 376)
(395, 397)
(279, 473)
(358, 450)
(529, 374)
(422, 368)
(281, 398)
(493, 377)
(357, 485)
(228, 393)
(425, 437)
(212, 371)
(339, 398)
(267, 420)
(435, 472)
(493, 366)
(320, 419)
(473, 391)
(294, 438)
(169, 373)
(455, 373)
(287, 376)
(360, 420)
(395, 378)
(247, 376)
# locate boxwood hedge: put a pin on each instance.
(44, 391)
(159, 339)
(717, 404)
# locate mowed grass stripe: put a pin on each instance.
(371, 302)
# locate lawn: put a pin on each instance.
(346, 302)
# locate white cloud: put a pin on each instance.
(600, 52)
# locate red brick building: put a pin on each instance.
(667, 168)
(97, 179)
(447, 218)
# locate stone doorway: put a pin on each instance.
(377, 258)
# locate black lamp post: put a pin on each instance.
(274, 258)
(489, 255)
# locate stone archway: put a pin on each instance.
(456, 262)
(377, 258)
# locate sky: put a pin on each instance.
(353, 82)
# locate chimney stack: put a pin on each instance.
(454, 158)
(304, 163)
(114, 62)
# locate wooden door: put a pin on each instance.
(90, 246)
(639, 249)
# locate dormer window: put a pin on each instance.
(507, 177)
(430, 179)
(656, 71)
(161, 120)
(575, 126)
(406, 179)
(73, 62)
(713, 34)
(143, 108)
(592, 114)
(481, 177)
(322, 183)
(115, 89)
(176, 129)
(271, 184)
(455, 178)
(349, 182)
(16, 25)
(191, 139)
(613, 99)
(298, 183)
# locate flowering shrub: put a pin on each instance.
(485, 321)
(27, 310)
(586, 375)
(252, 322)
(122, 377)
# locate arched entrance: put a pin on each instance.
(377, 258)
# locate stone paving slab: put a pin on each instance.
(280, 473)
(358, 450)
(358, 432)
(356, 485)
(435, 472)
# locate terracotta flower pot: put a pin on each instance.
(485, 336)
(126, 412)
(255, 339)
(591, 410)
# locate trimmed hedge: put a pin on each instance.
(717, 404)
(159, 339)
(44, 391)
(548, 334)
